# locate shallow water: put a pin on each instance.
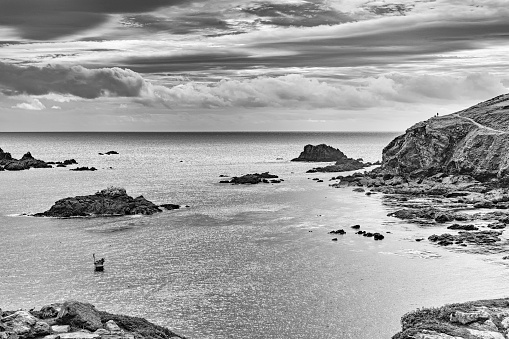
(240, 261)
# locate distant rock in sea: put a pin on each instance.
(325, 153)
(112, 201)
(83, 169)
(109, 153)
(26, 162)
(320, 153)
(77, 320)
(254, 178)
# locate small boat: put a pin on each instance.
(98, 264)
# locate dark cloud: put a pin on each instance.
(388, 9)
(76, 80)
(49, 19)
(182, 24)
(378, 47)
(304, 14)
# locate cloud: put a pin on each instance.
(56, 107)
(50, 19)
(289, 91)
(32, 105)
(76, 80)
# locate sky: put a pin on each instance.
(238, 65)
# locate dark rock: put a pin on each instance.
(320, 153)
(70, 162)
(444, 217)
(463, 227)
(170, 206)
(355, 227)
(255, 178)
(338, 232)
(79, 169)
(111, 152)
(334, 239)
(79, 315)
(378, 236)
(108, 202)
(479, 238)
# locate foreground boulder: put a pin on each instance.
(108, 202)
(77, 320)
(476, 319)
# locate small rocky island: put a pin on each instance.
(254, 178)
(77, 320)
(325, 153)
(112, 201)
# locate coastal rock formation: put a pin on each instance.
(473, 142)
(77, 320)
(320, 153)
(108, 202)
(476, 319)
(325, 153)
(26, 162)
(254, 178)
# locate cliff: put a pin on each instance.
(472, 142)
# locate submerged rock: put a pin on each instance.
(108, 202)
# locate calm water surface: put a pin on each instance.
(240, 261)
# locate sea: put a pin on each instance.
(236, 261)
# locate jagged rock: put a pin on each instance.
(463, 227)
(41, 328)
(110, 201)
(478, 238)
(320, 153)
(79, 315)
(20, 322)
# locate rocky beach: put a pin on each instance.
(77, 320)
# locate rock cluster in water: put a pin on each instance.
(7, 162)
(27, 161)
(483, 319)
(325, 153)
(77, 320)
(254, 178)
(108, 202)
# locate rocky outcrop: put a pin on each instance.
(108, 202)
(325, 153)
(320, 153)
(473, 142)
(254, 178)
(77, 320)
(477, 319)
(26, 162)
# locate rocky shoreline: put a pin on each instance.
(482, 319)
(77, 320)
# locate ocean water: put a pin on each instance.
(239, 262)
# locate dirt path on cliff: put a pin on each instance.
(480, 125)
